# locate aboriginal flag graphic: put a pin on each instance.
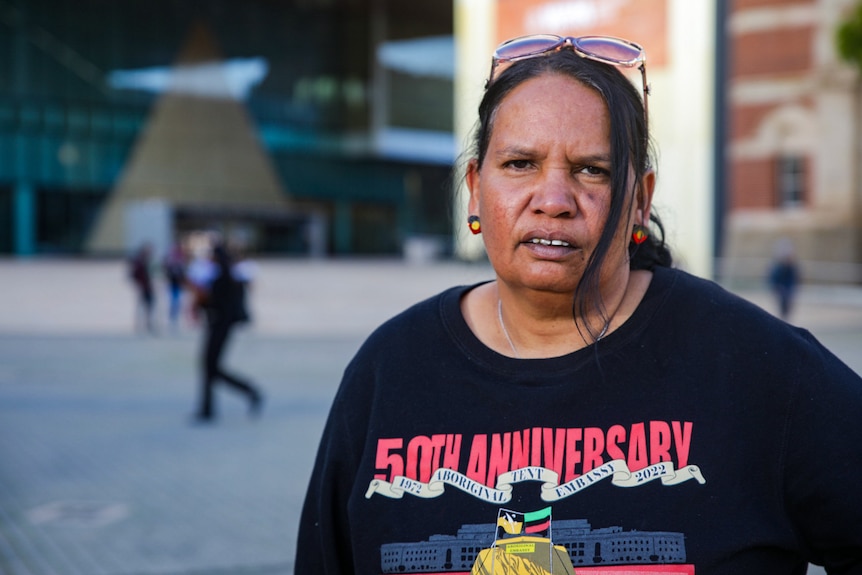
(536, 523)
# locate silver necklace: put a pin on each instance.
(509, 338)
(505, 331)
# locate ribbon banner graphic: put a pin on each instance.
(617, 471)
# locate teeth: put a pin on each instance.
(545, 242)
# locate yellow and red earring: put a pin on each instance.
(474, 225)
(640, 234)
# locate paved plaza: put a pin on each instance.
(102, 471)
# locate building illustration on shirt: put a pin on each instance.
(525, 544)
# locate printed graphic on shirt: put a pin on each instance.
(565, 461)
(523, 545)
(531, 544)
(561, 462)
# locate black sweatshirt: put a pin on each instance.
(702, 436)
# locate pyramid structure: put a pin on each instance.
(199, 149)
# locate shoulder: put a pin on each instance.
(699, 297)
(391, 355)
(699, 317)
(417, 335)
(201, 272)
(244, 270)
(420, 322)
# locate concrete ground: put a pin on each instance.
(103, 473)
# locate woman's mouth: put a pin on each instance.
(547, 247)
(545, 242)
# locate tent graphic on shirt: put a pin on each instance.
(523, 547)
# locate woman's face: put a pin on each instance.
(543, 190)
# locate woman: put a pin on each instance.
(590, 406)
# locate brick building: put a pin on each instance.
(793, 140)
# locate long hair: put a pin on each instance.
(630, 148)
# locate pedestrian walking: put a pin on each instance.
(784, 277)
(174, 268)
(140, 274)
(224, 306)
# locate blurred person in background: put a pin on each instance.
(244, 268)
(590, 405)
(140, 273)
(223, 301)
(200, 272)
(784, 277)
(174, 268)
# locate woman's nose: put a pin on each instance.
(554, 195)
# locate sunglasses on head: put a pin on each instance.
(605, 49)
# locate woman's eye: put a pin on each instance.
(594, 171)
(518, 164)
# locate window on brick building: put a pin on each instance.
(790, 181)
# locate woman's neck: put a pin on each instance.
(532, 324)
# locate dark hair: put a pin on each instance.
(222, 257)
(630, 146)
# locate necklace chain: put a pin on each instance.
(506, 331)
(509, 338)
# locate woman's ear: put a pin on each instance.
(472, 179)
(644, 198)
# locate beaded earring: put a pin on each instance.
(640, 234)
(474, 225)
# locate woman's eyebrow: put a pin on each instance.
(523, 151)
(514, 150)
(594, 159)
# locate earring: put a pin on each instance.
(640, 234)
(474, 225)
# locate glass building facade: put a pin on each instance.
(350, 102)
